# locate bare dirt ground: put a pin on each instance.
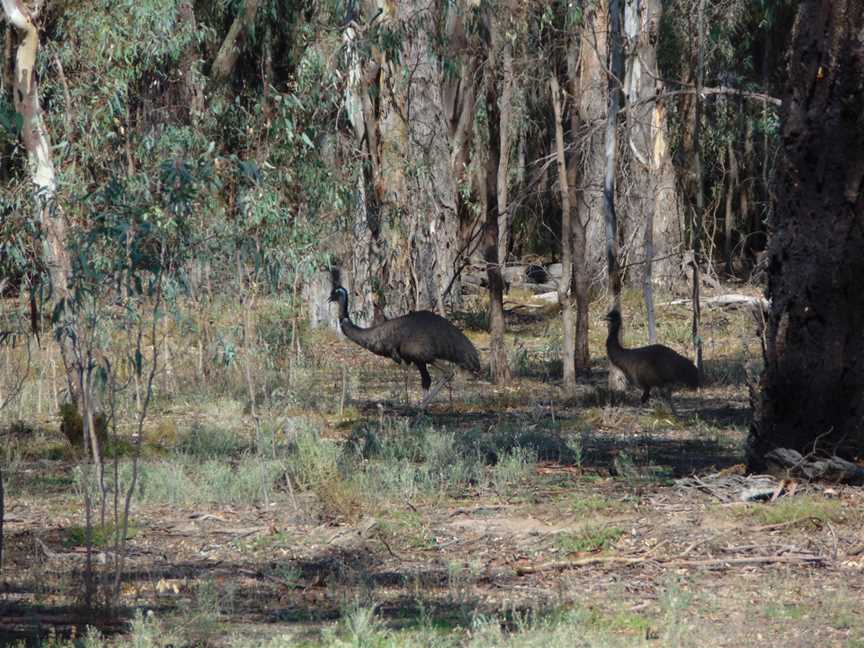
(628, 514)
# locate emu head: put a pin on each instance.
(338, 294)
(613, 316)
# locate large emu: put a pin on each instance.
(418, 338)
(650, 366)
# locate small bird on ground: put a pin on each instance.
(419, 338)
(650, 366)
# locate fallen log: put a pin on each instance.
(713, 563)
(756, 304)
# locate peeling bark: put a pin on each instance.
(403, 113)
(579, 227)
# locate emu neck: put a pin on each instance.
(613, 342)
(350, 329)
(343, 311)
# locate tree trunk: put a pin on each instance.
(38, 146)
(369, 269)
(193, 88)
(813, 383)
(431, 198)
(617, 381)
(229, 52)
(498, 366)
(698, 214)
(653, 208)
(2, 515)
(729, 210)
(459, 99)
(566, 292)
(591, 99)
(579, 227)
(407, 249)
(505, 104)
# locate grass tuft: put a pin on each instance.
(793, 510)
(589, 539)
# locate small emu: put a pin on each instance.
(418, 338)
(650, 366)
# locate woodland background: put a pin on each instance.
(179, 181)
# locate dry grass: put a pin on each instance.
(348, 518)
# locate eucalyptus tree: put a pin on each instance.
(48, 217)
(406, 230)
(651, 195)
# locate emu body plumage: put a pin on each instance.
(650, 366)
(419, 338)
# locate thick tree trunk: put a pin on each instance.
(592, 93)
(459, 99)
(409, 257)
(813, 384)
(431, 200)
(368, 107)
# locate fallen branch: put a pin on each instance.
(832, 468)
(675, 563)
(728, 301)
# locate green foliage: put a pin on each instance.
(10, 121)
(76, 536)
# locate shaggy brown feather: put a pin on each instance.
(649, 366)
(418, 338)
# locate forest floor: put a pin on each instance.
(498, 516)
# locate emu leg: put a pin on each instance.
(425, 378)
(425, 381)
(667, 394)
(446, 381)
(407, 391)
